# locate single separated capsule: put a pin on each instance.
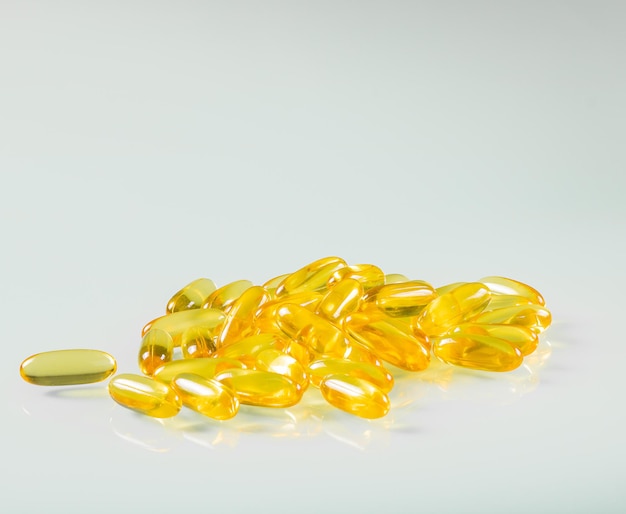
(145, 395)
(474, 351)
(206, 396)
(402, 299)
(261, 388)
(177, 322)
(312, 277)
(67, 367)
(192, 296)
(355, 396)
(157, 348)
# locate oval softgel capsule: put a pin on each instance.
(67, 367)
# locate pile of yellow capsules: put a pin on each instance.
(329, 324)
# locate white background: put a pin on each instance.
(145, 144)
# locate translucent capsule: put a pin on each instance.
(367, 275)
(482, 352)
(206, 396)
(448, 287)
(240, 318)
(157, 348)
(192, 296)
(534, 317)
(271, 285)
(248, 348)
(67, 367)
(276, 361)
(265, 317)
(503, 285)
(145, 395)
(197, 342)
(206, 367)
(355, 395)
(308, 328)
(261, 388)
(521, 337)
(500, 301)
(458, 305)
(389, 340)
(359, 353)
(302, 353)
(312, 277)
(395, 278)
(177, 322)
(376, 375)
(342, 299)
(401, 299)
(223, 297)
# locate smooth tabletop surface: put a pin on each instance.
(146, 144)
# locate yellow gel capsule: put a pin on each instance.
(192, 296)
(395, 278)
(355, 396)
(390, 340)
(206, 367)
(307, 327)
(402, 299)
(521, 337)
(248, 348)
(342, 299)
(67, 367)
(376, 375)
(503, 285)
(206, 396)
(358, 353)
(198, 342)
(367, 275)
(223, 297)
(261, 388)
(276, 361)
(157, 348)
(177, 322)
(312, 277)
(448, 287)
(240, 318)
(500, 301)
(458, 305)
(265, 317)
(145, 395)
(271, 285)
(534, 317)
(477, 352)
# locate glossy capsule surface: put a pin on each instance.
(312, 277)
(276, 361)
(67, 367)
(206, 396)
(261, 388)
(504, 285)
(177, 322)
(355, 396)
(192, 296)
(367, 275)
(458, 305)
(395, 278)
(223, 297)
(401, 299)
(343, 298)
(248, 348)
(376, 375)
(534, 317)
(501, 301)
(157, 348)
(239, 322)
(521, 337)
(145, 395)
(206, 367)
(198, 342)
(265, 317)
(482, 352)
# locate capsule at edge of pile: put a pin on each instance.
(534, 317)
(312, 277)
(402, 299)
(276, 361)
(355, 396)
(145, 395)
(504, 285)
(521, 337)
(261, 388)
(192, 296)
(376, 375)
(67, 367)
(239, 320)
(198, 342)
(474, 351)
(223, 297)
(343, 298)
(206, 367)
(177, 322)
(157, 348)
(206, 396)
(367, 275)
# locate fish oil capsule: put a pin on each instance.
(309, 328)
(248, 348)
(376, 375)
(157, 348)
(355, 396)
(522, 338)
(261, 388)
(312, 277)
(192, 296)
(533, 317)
(276, 361)
(503, 285)
(389, 340)
(271, 285)
(302, 353)
(395, 278)
(222, 298)
(145, 395)
(453, 308)
(367, 275)
(265, 317)
(358, 353)
(206, 367)
(448, 287)
(67, 367)
(342, 299)
(198, 342)
(477, 352)
(501, 301)
(177, 322)
(402, 299)
(239, 320)
(206, 396)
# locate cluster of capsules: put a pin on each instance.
(330, 325)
